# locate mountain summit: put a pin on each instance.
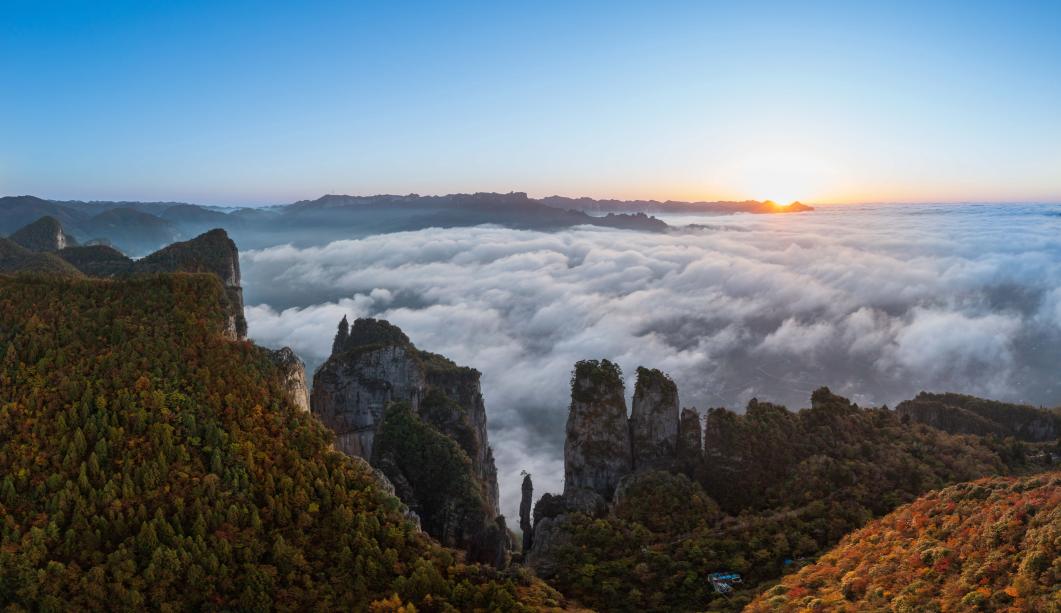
(45, 234)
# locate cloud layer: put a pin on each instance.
(876, 302)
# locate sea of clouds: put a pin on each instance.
(876, 302)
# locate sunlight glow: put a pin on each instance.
(780, 176)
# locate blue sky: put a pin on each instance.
(267, 102)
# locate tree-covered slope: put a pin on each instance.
(146, 462)
(961, 414)
(987, 545)
(791, 484)
(16, 258)
(45, 234)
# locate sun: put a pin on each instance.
(779, 176)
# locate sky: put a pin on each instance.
(269, 102)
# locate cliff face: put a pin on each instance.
(525, 502)
(690, 441)
(960, 414)
(468, 426)
(654, 421)
(604, 452)
(351, 389)
(294, 374)
(421, 419)
(597, 446)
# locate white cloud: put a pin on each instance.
(877, 303)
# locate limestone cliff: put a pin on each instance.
(654, 421)
(368, 369)
(690, 441)
(421, 419)
(468, 423)
(525, 501)
(597, 444)
(603, 450)
(294, 373)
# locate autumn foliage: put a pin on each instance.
(987, 545)
(146, 463)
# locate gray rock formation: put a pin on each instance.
(351, 389)
(45, 234)
(690, 441)
(550, 536)
(585, 501)
(654, 421)
(607, 455)
(294, 374)
(376, 364)
(467, 426)
(525, 503)
(597, 444)
(373, 370)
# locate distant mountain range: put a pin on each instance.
(138, 228)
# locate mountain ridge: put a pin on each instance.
(141, 227)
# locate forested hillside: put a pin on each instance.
(16, 258)
(961, 414)
(989, 545)
(790, 485)
(149, 463)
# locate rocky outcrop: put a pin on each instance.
(467, 424)
(422, 420)
(550, 537)
(690, 441)
(293, 371)
(525, 502)
(597, 445)
(212, 252)
(961, 414)
(44, 235)
(604, 452)
(366, 372)
(654, 421)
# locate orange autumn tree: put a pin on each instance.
(991, 544)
